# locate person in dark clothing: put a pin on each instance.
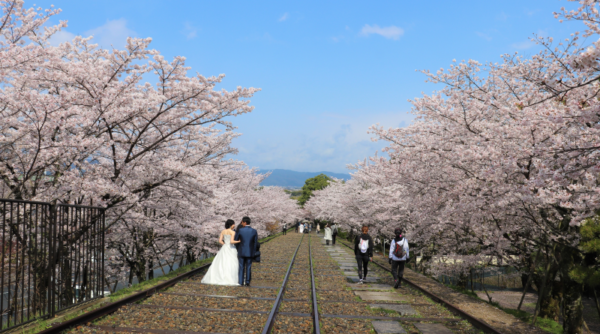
(363, 250)
(334, 233)
(398, 256)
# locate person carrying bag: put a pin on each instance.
(398, 256)
(363, 250)
(334, 230)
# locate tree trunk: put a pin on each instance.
(140, 270)
(550, 307)
(573, 321)
(150, 270)
(572, 291)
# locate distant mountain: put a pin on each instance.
(292, 179)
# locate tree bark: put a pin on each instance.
(573, 321)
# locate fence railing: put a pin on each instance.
(52, 258)
(493, 279)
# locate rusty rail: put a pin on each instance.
(271, 318)
(317, 327)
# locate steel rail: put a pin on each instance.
(479, 324)
(317, 324)
(271, 319)
(113, 307)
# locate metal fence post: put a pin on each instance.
(52, 259)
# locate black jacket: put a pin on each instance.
(357, 251)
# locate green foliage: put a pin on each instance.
(590, 236)
(294, 193)
(588, 273)
(316, 183)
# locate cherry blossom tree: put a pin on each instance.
(500, 166)
(80, 124)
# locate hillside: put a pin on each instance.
(292, 179)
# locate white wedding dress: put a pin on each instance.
(225, 266)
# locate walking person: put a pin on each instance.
(363, 250)
(398, 256)
(334, 233)
(247, 248)
(310, 224)
(298, 226)
(327, 234)
(284, 228)
(318, 228)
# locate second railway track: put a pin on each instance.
(301, 286)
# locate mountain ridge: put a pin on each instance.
(292, 179)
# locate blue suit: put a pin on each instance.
(246, 250)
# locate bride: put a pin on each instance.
(225, 266)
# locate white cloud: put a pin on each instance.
(484, 36)
(61, 37)
(113, 33)
(523, 45)
(189, 31)
(391, 32)
(284, 17)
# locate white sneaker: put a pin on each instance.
(360, 281)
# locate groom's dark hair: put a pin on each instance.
(246, 220)
(229, 223)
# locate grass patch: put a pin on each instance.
(373, 309)
(548, 325)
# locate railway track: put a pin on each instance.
(301, 286)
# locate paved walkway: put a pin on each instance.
(420, 315)
(496, 318)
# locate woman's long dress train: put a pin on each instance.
(225, 266)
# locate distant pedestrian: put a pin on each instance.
(309, 227)
(284, 228)
(318, 228)
(363, 250)
(327, 234)
(298, 227)
(334, 233)
(398, 256)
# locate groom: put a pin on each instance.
(246, 249)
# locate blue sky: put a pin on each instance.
(327, 69)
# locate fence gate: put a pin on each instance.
(52, 259)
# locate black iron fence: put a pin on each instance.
(52, 259)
